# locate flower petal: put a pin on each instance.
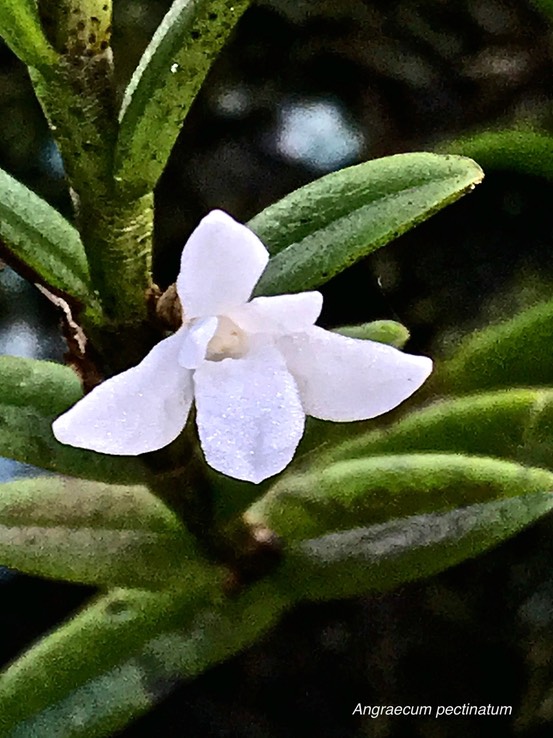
(195, 340)
(344, 379)
(220, 265)
(140, 410)
(280, 314)
(249, 414)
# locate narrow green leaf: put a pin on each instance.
(382, 557)
(515, 424)
(43, 241)
(324, 227)
(32, 394)
(516, 352)
(362, 492)
(165, 84)
(94, 533)
(382, 331)
(122, 655)
(21, 30)
(102, 637)
(523, 151)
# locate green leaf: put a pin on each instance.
(326, 226)
(523, 151)
(382, 557)
(43, 241)
(516, 352)
(382, 331)
(32, 394)
(516, 424)
(100, 638)
(362, 492)
(122, 655)
(165, 84)
(93, 533)
(21, 29)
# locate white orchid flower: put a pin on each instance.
(254, 368)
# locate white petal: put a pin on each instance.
(140, 410)
(280, 314)
(249, 414)
(195, 340)
(345, 379)
(220, 265)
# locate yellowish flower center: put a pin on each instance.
(229, 341)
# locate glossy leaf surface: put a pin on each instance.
(165, 84)
(326, 226)
(524, 151)
(21, 29)
(382, 557)
(122, 655)
(366, 491)
(81, 654)
(92, 533)
(515, 352)
(43, 241)
(382, 331)
(515, 424)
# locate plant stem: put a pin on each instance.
(78, 97)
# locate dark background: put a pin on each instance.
(306, 87)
